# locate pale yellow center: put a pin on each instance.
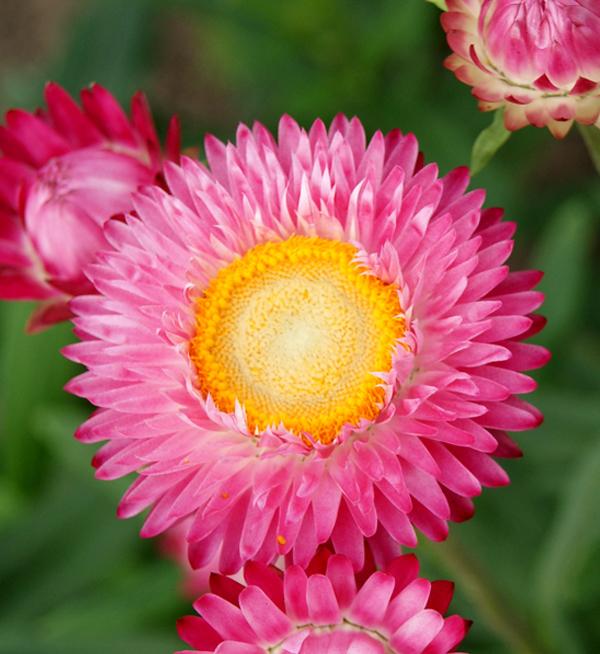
(294, 331)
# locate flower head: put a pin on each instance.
(539, 60)
(65, 172)
(326, 609)
(315, 340)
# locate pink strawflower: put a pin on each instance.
(539, 59)
(65, 171)
(326, 609)
(316, 339)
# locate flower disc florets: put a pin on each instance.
(313, 340)
(294, 331)
(539, 59)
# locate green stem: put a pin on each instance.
(497, 611)
(591, 138)
(489, 141)
(440, 3)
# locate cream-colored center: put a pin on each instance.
(294, 330)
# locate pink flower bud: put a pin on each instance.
(539, 60)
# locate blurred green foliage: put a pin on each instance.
(527, 568)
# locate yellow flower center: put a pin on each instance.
(294, 331)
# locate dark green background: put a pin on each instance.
(73, 579)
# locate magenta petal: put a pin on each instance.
(347, 538)
(225, 618)
(105, 111)
(63, 233)
(321, 600)
(341, 642)
(268, 579)
(47, 314)
(225, 587)
(431, 525)
(417, 632)
(440, 596)
(295, 592)
(15, 176)
(68, 117)
(197, 632)
(39, 140)
(454, 630)
(404, 569)
(341, 576)
(267, 620)
(236, 647)
(370, 604)
(19, 286)
(409, 601)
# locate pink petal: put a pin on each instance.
(267, 620)
(225, 618)
(417, 632)
(322, 603)
(295, 593)
(197, 633)
(268, 579)
(370, 604)
(454, 630)
(408, 602)
(341, 576)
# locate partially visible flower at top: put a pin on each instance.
(315, 339)
(539, 59)
(65, 171)
(325, 610)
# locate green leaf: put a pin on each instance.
(32, 370)
(11, 504)
(54, 426)
(567, 545)
(25, 539)
(121, 606)
(21, 640)
(564, 254)
(475, 578)
(591, 137)
(439, 3)
(77, 554)
(489, 141)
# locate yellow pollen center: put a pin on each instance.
(294, 331)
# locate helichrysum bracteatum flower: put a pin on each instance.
(64, 171)
(326, 609)
(312, 339)
(538, 59)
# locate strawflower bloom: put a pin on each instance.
(65, 171)
(539, 59)
(326, 609)
(315, 339)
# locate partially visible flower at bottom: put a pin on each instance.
(326, 609)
